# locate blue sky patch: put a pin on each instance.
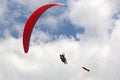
(65, 28)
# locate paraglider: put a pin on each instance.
(31, 22)
(86, 69)
(63, 58)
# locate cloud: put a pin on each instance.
(112, 64)
(94, 15)
(51, 22)
(32, 4)
(16, 13)
(35, 65)
(115, 33)
(2, 7)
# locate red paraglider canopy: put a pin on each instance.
(31, 22)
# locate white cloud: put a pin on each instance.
(35, 64)
(116, 31)
(52, 22)
(33, 4)
(112, 67)
(3, 8)
(94, 15)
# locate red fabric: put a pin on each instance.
(31, 22)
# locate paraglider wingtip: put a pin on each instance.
(65, 5)
(26, 51)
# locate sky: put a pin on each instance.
(87, 31)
